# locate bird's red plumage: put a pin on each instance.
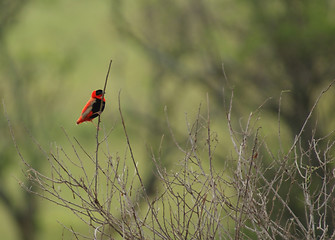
(88, 111)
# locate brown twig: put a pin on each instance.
(97, 134)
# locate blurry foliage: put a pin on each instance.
(300, 41)
(9, 11)
(267, 47)
(23, 212)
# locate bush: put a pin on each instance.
(250, 198)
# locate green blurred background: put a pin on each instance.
(165, 53)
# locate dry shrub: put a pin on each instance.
(288, 196)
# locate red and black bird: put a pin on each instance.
(92, 107)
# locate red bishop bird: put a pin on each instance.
(92, 107)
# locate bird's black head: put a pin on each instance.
(98, 92)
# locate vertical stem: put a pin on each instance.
(97, 135)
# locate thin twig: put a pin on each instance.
(97, 134)
(134, 163)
